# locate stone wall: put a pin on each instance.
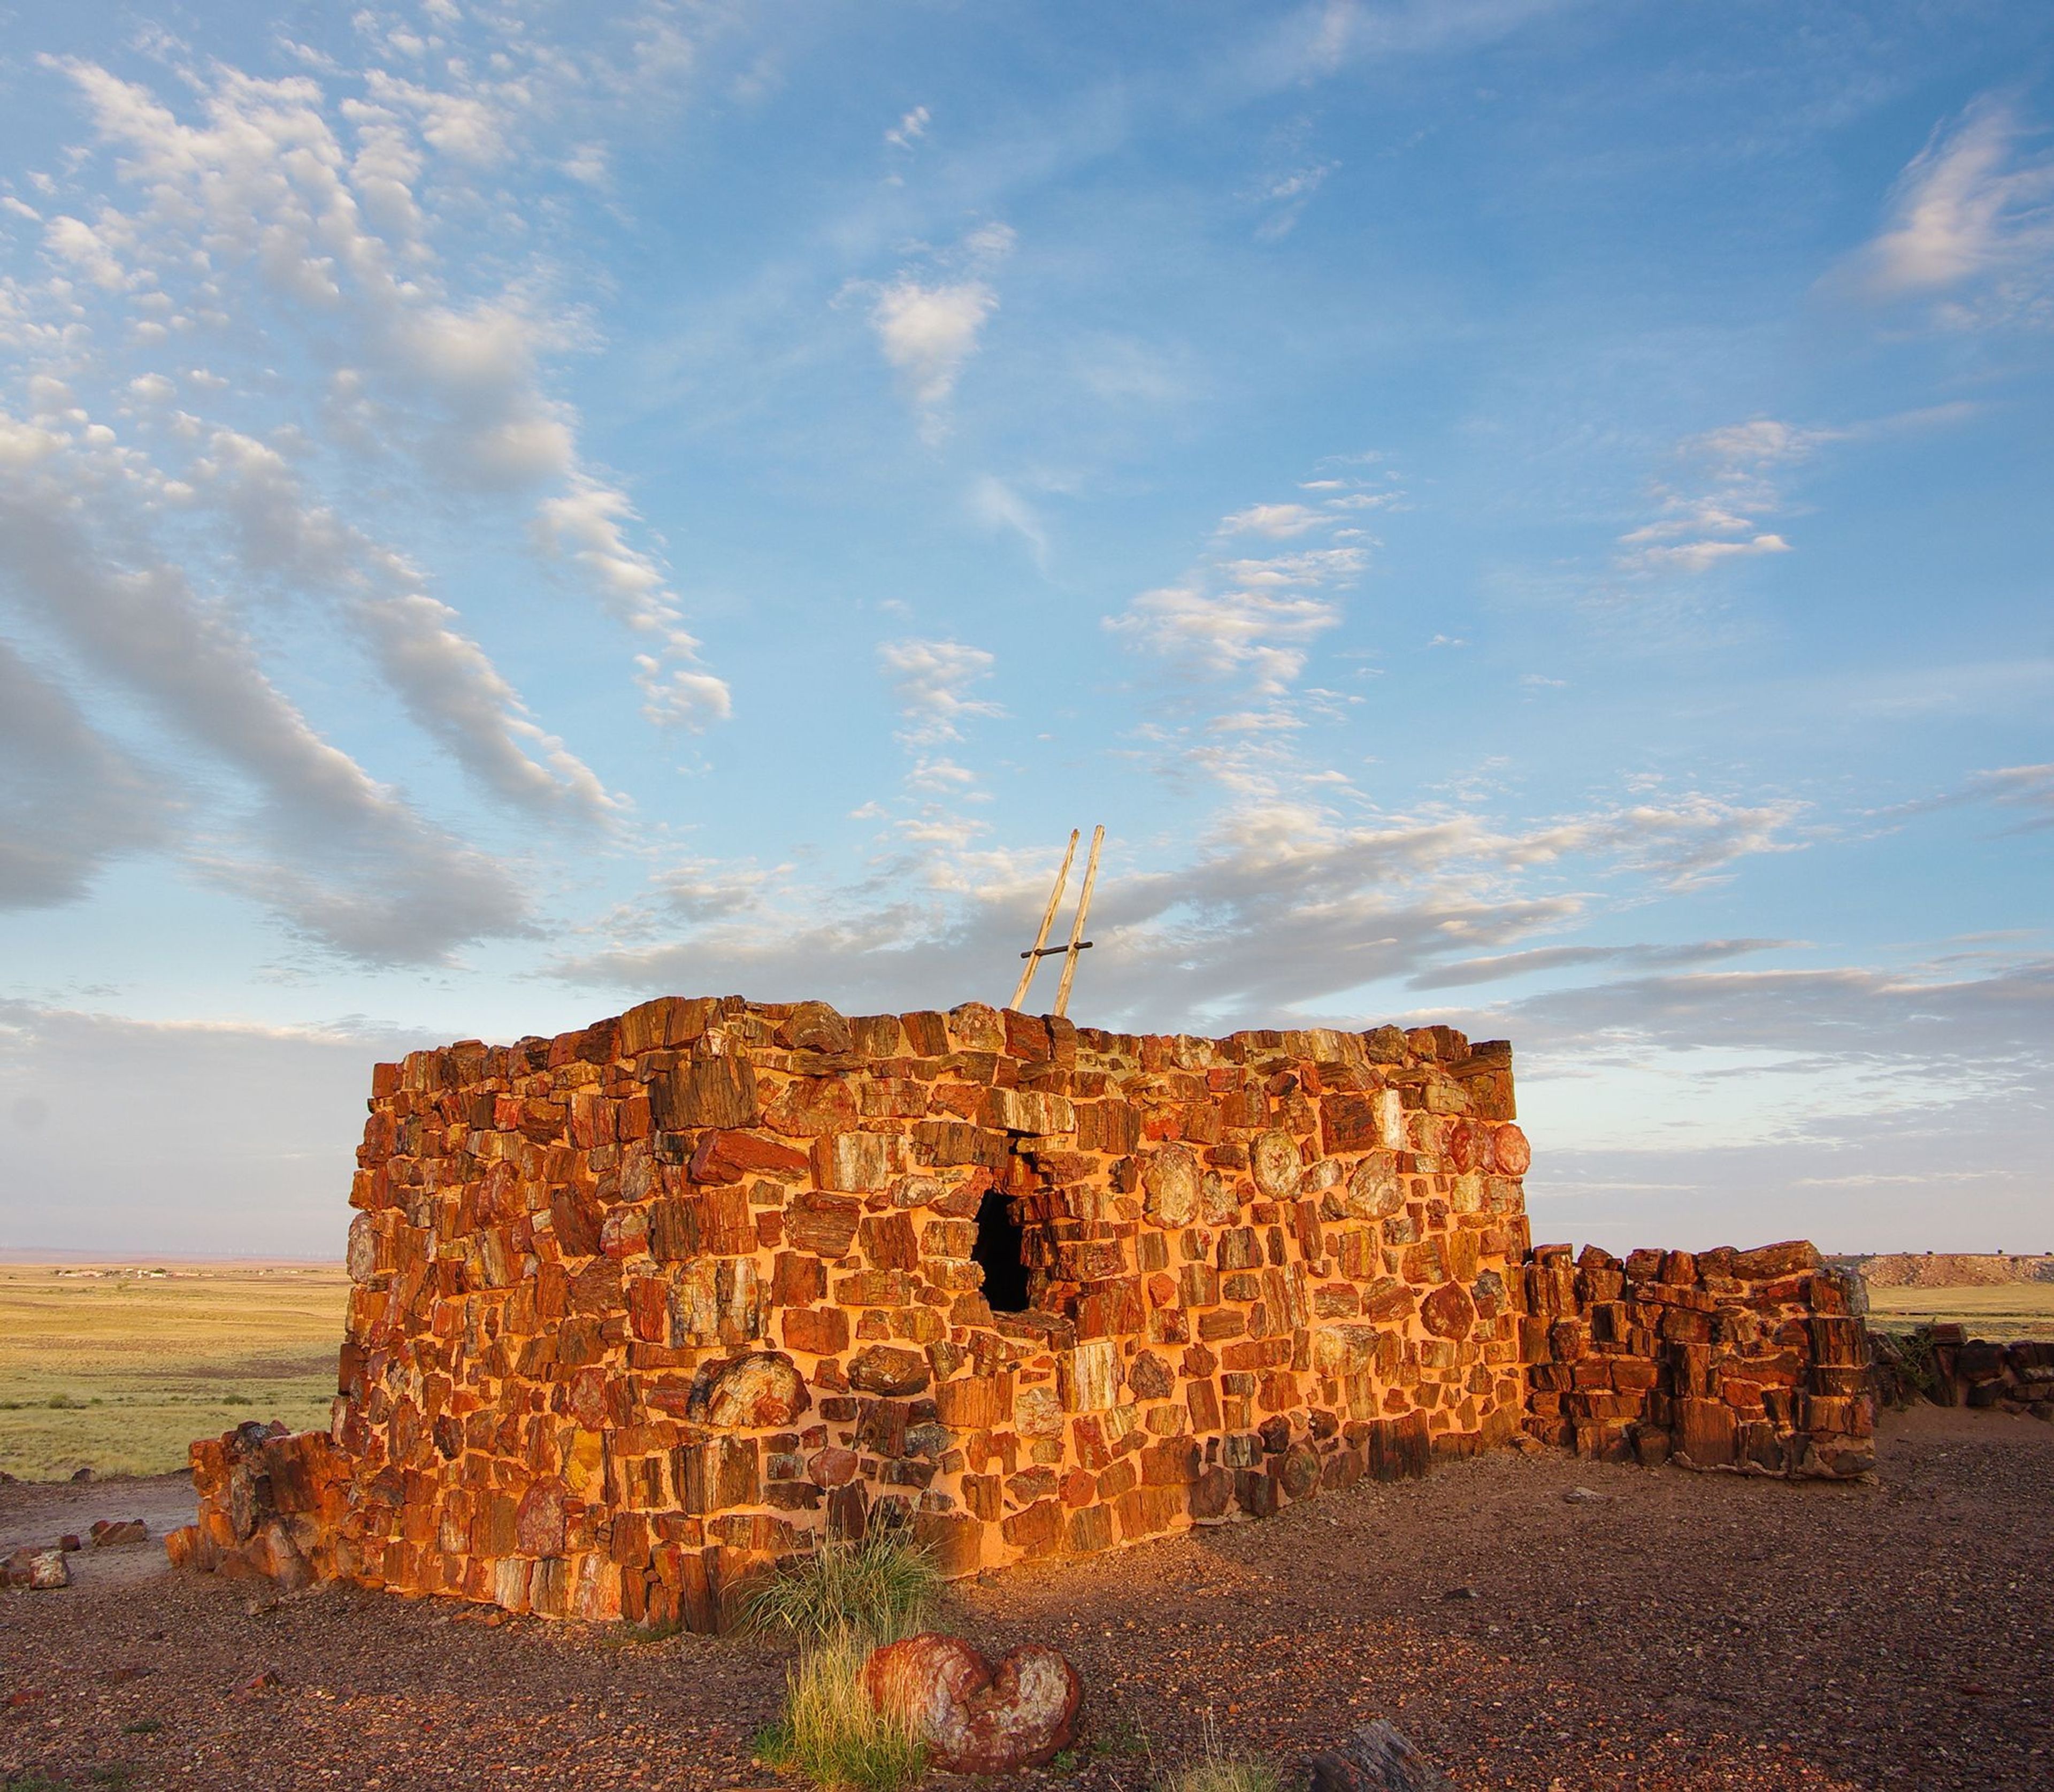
(1749, 1359)
(642, 1307)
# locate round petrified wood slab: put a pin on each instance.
(974, 1717)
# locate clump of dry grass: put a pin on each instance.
(841, 1601)
(872, 1591)
(833, 1733)
(1217, 1769)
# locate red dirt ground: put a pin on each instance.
(1682, 1631)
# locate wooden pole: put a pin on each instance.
(1077, 926)
(1048, 921)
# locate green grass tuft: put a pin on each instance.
(871, 1593)
(831, 1733)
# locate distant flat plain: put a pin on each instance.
(2015, 1309)
(118, 1367)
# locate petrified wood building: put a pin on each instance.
(641, 1306)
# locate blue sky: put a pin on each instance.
(1532, 515)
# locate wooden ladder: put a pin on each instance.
(1042, 949)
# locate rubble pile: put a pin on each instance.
(1944, 1365)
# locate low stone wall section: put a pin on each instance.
(1754, 1361)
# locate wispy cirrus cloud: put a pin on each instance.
(1971, 225)
(1467, 973)
(2027, 788)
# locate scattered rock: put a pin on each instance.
(107, 1532)
(70, 1541)
(1585, 1496)
(1377, 1759)
(40, 1570)
(262, 1682)
(1462, 1593)
(83, 1474)
(975, 1718)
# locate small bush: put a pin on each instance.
(871, 1593)
(832, 1734)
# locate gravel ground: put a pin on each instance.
(1679, 1631)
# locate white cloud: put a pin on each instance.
(1279, 521)
(1278, 909)
(1971, 210)
(1244, 623)
(1698, 557)
(585, 526)
(75, 241)
(1713, 516)
(2030, 788)
(928, 326)
(909, 129)
(929, 333)
(22, 445)
(259, 209)
(445, 678)
(1253, 637)
(1288, 195)
(931, 680)
(452, 689)
(588, 164)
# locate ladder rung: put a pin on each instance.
(1058, 951)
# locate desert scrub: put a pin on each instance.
(871, 1593)
(833, 1733)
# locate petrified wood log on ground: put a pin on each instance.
(1376, 1759)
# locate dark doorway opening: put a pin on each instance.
(1001, 1250)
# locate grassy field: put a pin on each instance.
(118, 1369)
(2012, 1310)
